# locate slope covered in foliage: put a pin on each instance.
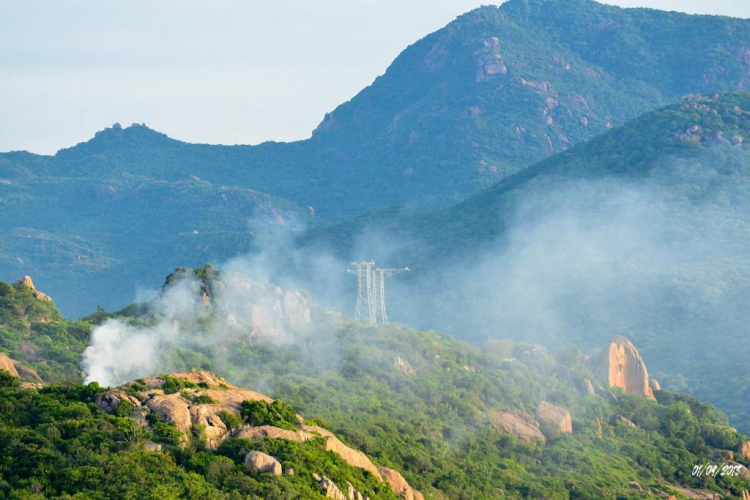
(642, 231)
(422, 403)
(491, 93)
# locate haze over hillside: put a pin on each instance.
(482, 98)
(642, 231)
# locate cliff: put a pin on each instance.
(620, 365)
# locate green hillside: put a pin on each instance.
(642, 231)
(496, 90)
(420, 402)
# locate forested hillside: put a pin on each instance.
(505, 421)
(496, 90)
(643, 231)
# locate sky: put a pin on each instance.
(221, 72)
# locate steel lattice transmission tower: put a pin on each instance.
(371, 290)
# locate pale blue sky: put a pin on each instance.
(219, 71)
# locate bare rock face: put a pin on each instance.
(180, 408)
(172, 408)
(109, 401)
(489, 62)
(353, 457)
(261, 462)
(29, 283)
(744, 450)
(404, 366)
(655, 385)
(330, 490)
(588, 387)
(399, 485)
(519, 424)
(296, 309)
(555, 416)
(8, 365)
(621, 366)
(30, 374)
(619, 419)
(217, 395)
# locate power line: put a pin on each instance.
(371, 290)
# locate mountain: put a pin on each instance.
(642, 231)
(505, 421)
(496, 90)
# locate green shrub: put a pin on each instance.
(204, 400)
(278, 414)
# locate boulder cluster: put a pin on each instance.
(203, 401)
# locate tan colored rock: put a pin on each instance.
(399, 485)
(621, 366)
(489, 62)
(353, 457)
(151, 446)
(555, 416)
(619, 419)
(744, 450)
(404, 366)
(172, 408)
(8, 364)
(29, 373)
(29, 283)
(745, 495)
(259, 461)
(697, 494)
(588, 387)
(208, 416)
(296, 309)
(109, 401)
(654, 384)
(330, 490)
(519, 424)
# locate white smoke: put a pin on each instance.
(121, 352)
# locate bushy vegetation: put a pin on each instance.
(277, 413)
(55, 443)
(434, 423)
(35, 333)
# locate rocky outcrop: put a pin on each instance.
(744, 450)
(399, 485)
(621, 366)
(556, 417)
(489, 62)
(179, 406)
(403, 366)
(588, 387)
(29, 283)
(330, 490)
(172, 408)
(296, 308)
(519, 424)
(8, 364)
(655, 385)
(109, 401)
(259, 461)
(200, 402)
(619, 419)
(29, 374)
(264, 309)
(697, 494)
(351, 456)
